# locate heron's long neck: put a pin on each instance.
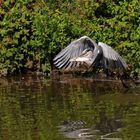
(97, 56)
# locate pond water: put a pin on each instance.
(37, 108)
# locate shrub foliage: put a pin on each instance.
(32, 32)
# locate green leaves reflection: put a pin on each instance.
(31, 108)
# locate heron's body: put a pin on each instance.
(87, 51)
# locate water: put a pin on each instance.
(37, 108)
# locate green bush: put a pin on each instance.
(33, 32)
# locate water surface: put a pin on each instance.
(37, 108)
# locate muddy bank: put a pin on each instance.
(94, 77)
(58, 78)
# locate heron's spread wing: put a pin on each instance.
(111, 59)
(75, 49)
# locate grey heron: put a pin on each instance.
(85, 51)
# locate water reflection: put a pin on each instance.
(42, 109)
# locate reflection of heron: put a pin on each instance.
(105, 129)
(77, 130)
(85, 51)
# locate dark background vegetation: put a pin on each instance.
(32, 32)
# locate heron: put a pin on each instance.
(85, 51)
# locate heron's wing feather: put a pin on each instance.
(112, 59)
(73, 50)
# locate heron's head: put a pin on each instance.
(100, 44)
(84, 37)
